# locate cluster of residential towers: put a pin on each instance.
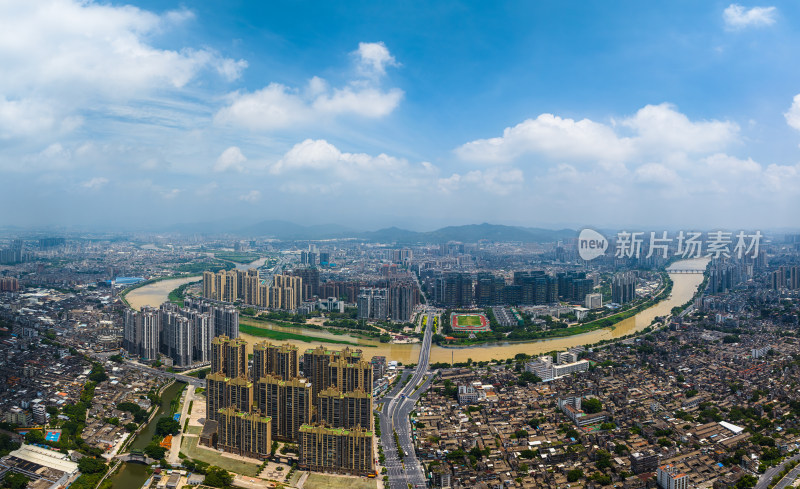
(326, 409)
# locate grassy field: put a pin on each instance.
(468, 320)
(236, 257)
(321, 481)
(190, 448)
(295, 478)
(204, 266)
(176, 295)
(283, 335)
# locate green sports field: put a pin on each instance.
(469, 320)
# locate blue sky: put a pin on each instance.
(673, 114)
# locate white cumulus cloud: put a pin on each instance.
(230, 159)
(793, 114)
(374, 57)
(95, 183)
(656, 173)
(252, 196)
(325, 167)
(738, 17)
(95, 47)
(658, 130)
(499, 181)
(64, 58)
(552, 136)
(277, 106)
(661, 128)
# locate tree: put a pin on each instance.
(529, 377)
(603, 459)
(155, 451)
(574, 475)
(217, 477)
(14, 480)
(6, 445)
(601, 479)
(167, 426)
(591, 405)
(98, 374)
(34, 436)
(746, 482)
(90, 465)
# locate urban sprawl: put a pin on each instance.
(163, 361)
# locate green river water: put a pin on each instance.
(134, 475)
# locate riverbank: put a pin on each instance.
(519, 335)
(123, 295)
(155, 292)
(684, 287)
(134, 475)
(283, 336)
(177, 295)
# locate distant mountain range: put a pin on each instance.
(470, 233)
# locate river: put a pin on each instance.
(156, 293)
(134, 475)
(683, 288)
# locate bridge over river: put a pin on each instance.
(136, 456)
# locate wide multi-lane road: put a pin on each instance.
(394, 418)
(771, 472)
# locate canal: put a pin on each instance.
(133, 475)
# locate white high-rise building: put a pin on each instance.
(669, 477)
(594, 301)
(39, 413)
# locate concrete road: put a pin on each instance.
(179, 377)
(771, 472)
(175, 448)
(394, 418)
(139, 366)
(789, 478)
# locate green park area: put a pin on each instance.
(247, 327)
(322, 481)
(236, 256)
(212, 457)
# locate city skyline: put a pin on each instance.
(150, 114)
